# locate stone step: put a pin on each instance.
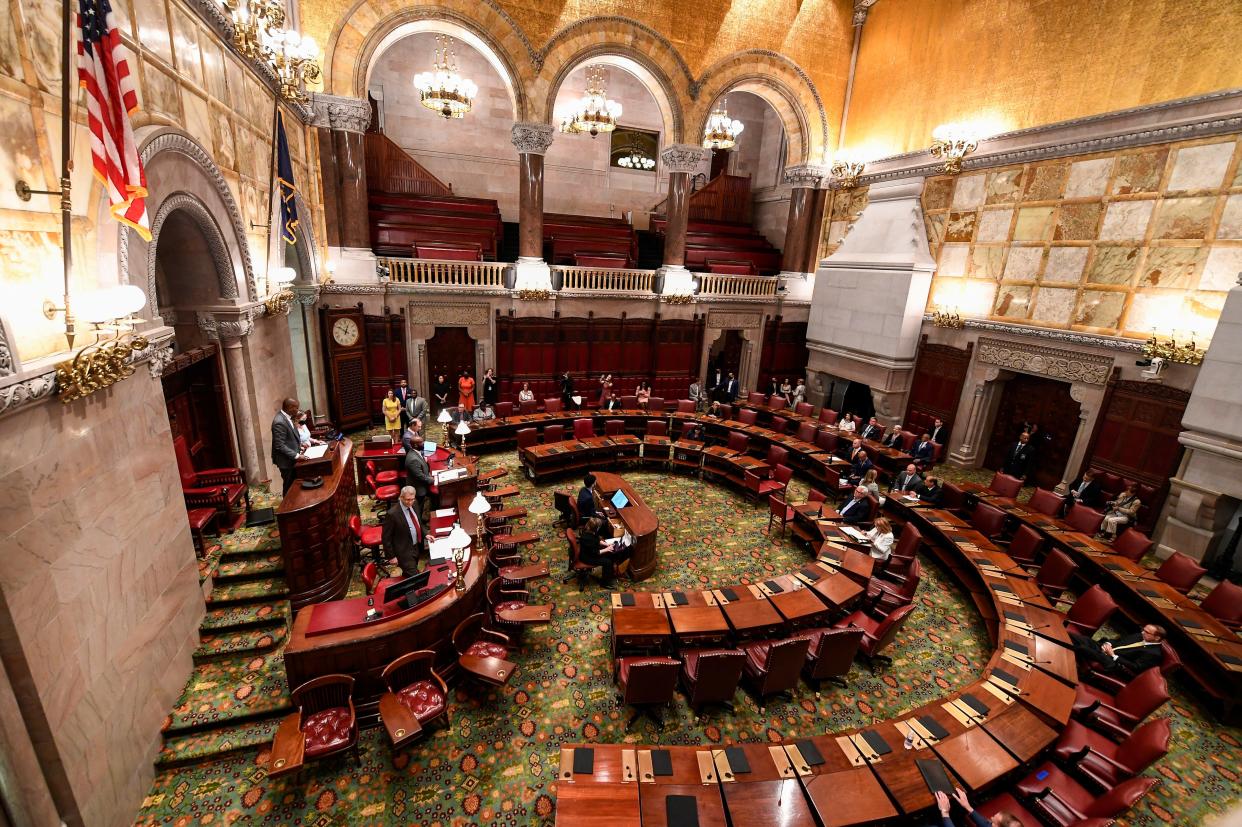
(236, 642)
(215, 743)
(245, 591)
(239, 616)
(230, 691)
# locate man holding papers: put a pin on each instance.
(417, 472)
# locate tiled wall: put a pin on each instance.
(1114, 243)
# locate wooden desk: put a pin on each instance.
(639, 520)
(841, 793)
(763, 795)
(698, 625)
(1020, 732)
(686, 780)
(642, 629)
(315, 541)
(975, 756)
(752, 618)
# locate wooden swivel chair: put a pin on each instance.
(646, 683)
(483, 654)
(711, 676)
(416, 700)
(223, 490)
(506, 598)
(325, 724)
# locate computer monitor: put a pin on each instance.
(619, 500)
(407, 586)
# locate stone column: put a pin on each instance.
(801, 231)
(681, 160)
(341, 125)
(231, 332)
(818, 204)
(531, 140)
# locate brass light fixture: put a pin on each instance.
(595, 112)
(950, 318)
(255, 26)
(847, 172)
(1170, 350)
(533, 294)
(443, 89)
(721, 131)
(280, 302)
(108, 360)
(953, 142)
(294, 59)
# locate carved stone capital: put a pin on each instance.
(229, 325)
(8, 359)
(337, 112)
(532, 138)
(861, 9)
(1067, 365)
(806, 175)
(306, 295)
(159, 359)
(683, 157)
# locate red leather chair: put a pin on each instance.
(646, 683)
(325, 722)
(885, 598)
(779, 424)
(738, 442)
(415, 687)
(778, 509)
(828, 416)
(526, 437)
(529, 407)
(988, 520)
(777, 455)
(1225, 604)
(814, 496)
(1061, 801)
(1132, 544)
(806, 432)
(223, 490)
(1025, 545)
(503, 410)
(1086, 520)
(1107, 763)
(471, 639)
(503, 596)
(657, 428)
(711, 676)
(629, 402)
(1046, 502)
(804, 409)
(384, 495)
(382, 477)
(1005, 485)
(553, 433)
(1169, 664)
(1118, 714)
(584, 428)
(827, 441)
(656, 404)
(877, 634)
(830, 654)
(685, 406)
(747, 416)
(369, 537)
(1055, 574)
(553, 405)
(759, 487)
(614, 427)
(1090, 611)
(835, 484)
(772, 666)
(1180, 572)
(952, 498)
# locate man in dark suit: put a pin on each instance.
(874, 429)
(1084, 490)
(930, 491)
(613, 403)
(908, 480)
(403, 534)
(859, 467)
(416, 408)
(586, 498)
(402, 392)
(567, 388)
(417, 472)
(1018, 457)
(730, 389)
(286, 445)
(1126, 656)
(858, 509)
(939, 433)
(715, 384)
(856, 448)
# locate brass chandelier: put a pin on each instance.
(443, 89)
(721, 131)
(259, 35)
(594, 112)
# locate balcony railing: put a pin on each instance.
(429, 272)
(605, 280)
(719, 285)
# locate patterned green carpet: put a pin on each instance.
(495, 765)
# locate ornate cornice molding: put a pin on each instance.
(450, 315)
(339, 112)
(861, 9)
(682, 157)
(1202, 116)
(306, 294)
(727, 319)
(532, 138)
(809, 176)
(1068, 365)
(1053, 335)
(196, 210)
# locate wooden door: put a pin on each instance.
(726, 354)
(449, 352)
(1046, 404)
(386, 364)
(720, 162)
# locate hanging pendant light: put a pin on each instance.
(635, 158)
(442, 89)
(721, 131)
(594, 113)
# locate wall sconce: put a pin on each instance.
(953, 142)
(950, 318)
(846, 172)
(280, 302)
(1170, 350)
(107, 361)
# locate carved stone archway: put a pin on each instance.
(423, 318)
(750, 324)
(196, 211)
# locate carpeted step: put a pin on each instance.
(249, 541)
(244, 591)
(259, 613)
(249, 566)
(229, 691)
(215, 743)
(236, 642)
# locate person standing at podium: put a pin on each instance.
(286, 444)
(417, 471)
(403, 535)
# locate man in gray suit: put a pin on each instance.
(416, 408)
(286, 445)
(417, 472)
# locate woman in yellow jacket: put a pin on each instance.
(391, 408)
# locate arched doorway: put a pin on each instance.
(725, 354)
(450, 352)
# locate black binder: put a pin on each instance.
(810, 752)
(933, 727)
(584, 761)
(737, 760)
(980, 708)
(812, 574)
(1020, 648)
(1008, 678)
(773, 586)
(730, 595)
(661, 762)
(682, 810)
(627, 599)
(680, 598)
(876, 742)
(935, 776)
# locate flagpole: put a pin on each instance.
(271, 187)
(66, 163)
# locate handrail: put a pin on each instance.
(605, 279)
(721, 284)
(391, 169)
(432, 272)
(724, 198)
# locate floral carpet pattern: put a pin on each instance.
(496, 764)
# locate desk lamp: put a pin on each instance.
(478, 507)
(458, 540)
(444, 419)
(463, 430)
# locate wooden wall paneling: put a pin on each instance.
(939, 375)
(605, 345)
(380, 369)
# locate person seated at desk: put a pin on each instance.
(908, 480)
(786, 392)
(594, 550)
(612, 403)
(403, 535)
(1084, 490)
(714, 411)
(871, 482)
(881, 539)
(858, 509)
(892, 439)
(304, 435)
(1121, 512)
(695, 393)
(526, 394)
(483, 413)
(944, 805)
(924, 450)
(856, 447)
(693, 432)
(930, 490)
(586, 498)
(846, 423)
(873, 429)
(859, 467)
(1124, 657)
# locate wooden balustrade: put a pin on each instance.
(430, 272)
(391, 169)
(721, 285)
(605, 280)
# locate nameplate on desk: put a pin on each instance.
(998, 691)
(707, 766)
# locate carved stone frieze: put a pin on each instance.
(682, 157)
(728, 319)
(21, 394)
(1067, 365)
(306, 295)
(337, 112)
(8, 362)
(532, 138)
(1052, 334)
(806, 175)
(160, 358)
(449, 315)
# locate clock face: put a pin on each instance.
(345, 332)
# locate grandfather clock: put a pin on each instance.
(344, 331)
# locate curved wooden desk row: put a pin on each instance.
(1211, 652)
(987, 731)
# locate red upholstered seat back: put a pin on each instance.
(584, 428)
(1145, 746)
(756, 398)
(777, 401)
(815, 496)
(835, 650)
(1180, 572)
(1005, 485)
(777, 454)
(747, 416)
(806, 432)
(552, 405)
(804, 409)
(952, 497)
(828, 416)
(987, 519)
(629, 402)
(827, 440)
(185, 467)
(715, 674)
(1025, 544)
(1143, 695)
(1046, 502)
(738, 441)
(504, 410)
(1132, 544)
(657, 427)
(1092, 609)
(783, 663)
(685, 406)
(655, 404)
(909, 541)
(782, 474)
(1224, 603)
(614, 427)
(554, 433)
(907, 441)
(780, 424)
(526, 437)
(1056, 571)
(1086, 520)
(888, 629)
(528, 407)
(647, 680)
(1120, 798)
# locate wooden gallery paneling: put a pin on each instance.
(784, 352)
(385, 338)
(535, 348)
(939, 374)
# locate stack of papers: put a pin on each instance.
(316, 451)
(855, 533)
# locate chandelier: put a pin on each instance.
(594, 113)
(294, 60)
(443, 90)
(721, 131)
(635, 159)
(259, 35)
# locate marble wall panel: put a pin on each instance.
(234, 78)
(222, 139)
(1099, 309)
(1183, 217)
(151, 29)
(185, 43)
(1114, 265)
(198, 120)
(42, 25)
(1033, 224)
(1065, 264)
(961, 226)
(968, 193)
(987, 262)
(1200, 167)
(1140, 171)
(1078, 222)
(935, 225)
(1012, 302)
(1088, 179)
(1172, 267)
(953, 259)
(1004, 187)
(162, 93)
(1046, 182)
(1126, 220)
(1231, 219)
(213, 69)
(1024, 263)
(1054, 305)
(1221, 269)
(10, 60)
(937, 193)
(994, 225)
(19, 156)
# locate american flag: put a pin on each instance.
(111, 97)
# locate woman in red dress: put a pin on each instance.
(465, 391)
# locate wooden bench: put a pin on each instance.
(399, 240)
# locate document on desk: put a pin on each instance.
(315, 451)
(855, 533)
(448, 474)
